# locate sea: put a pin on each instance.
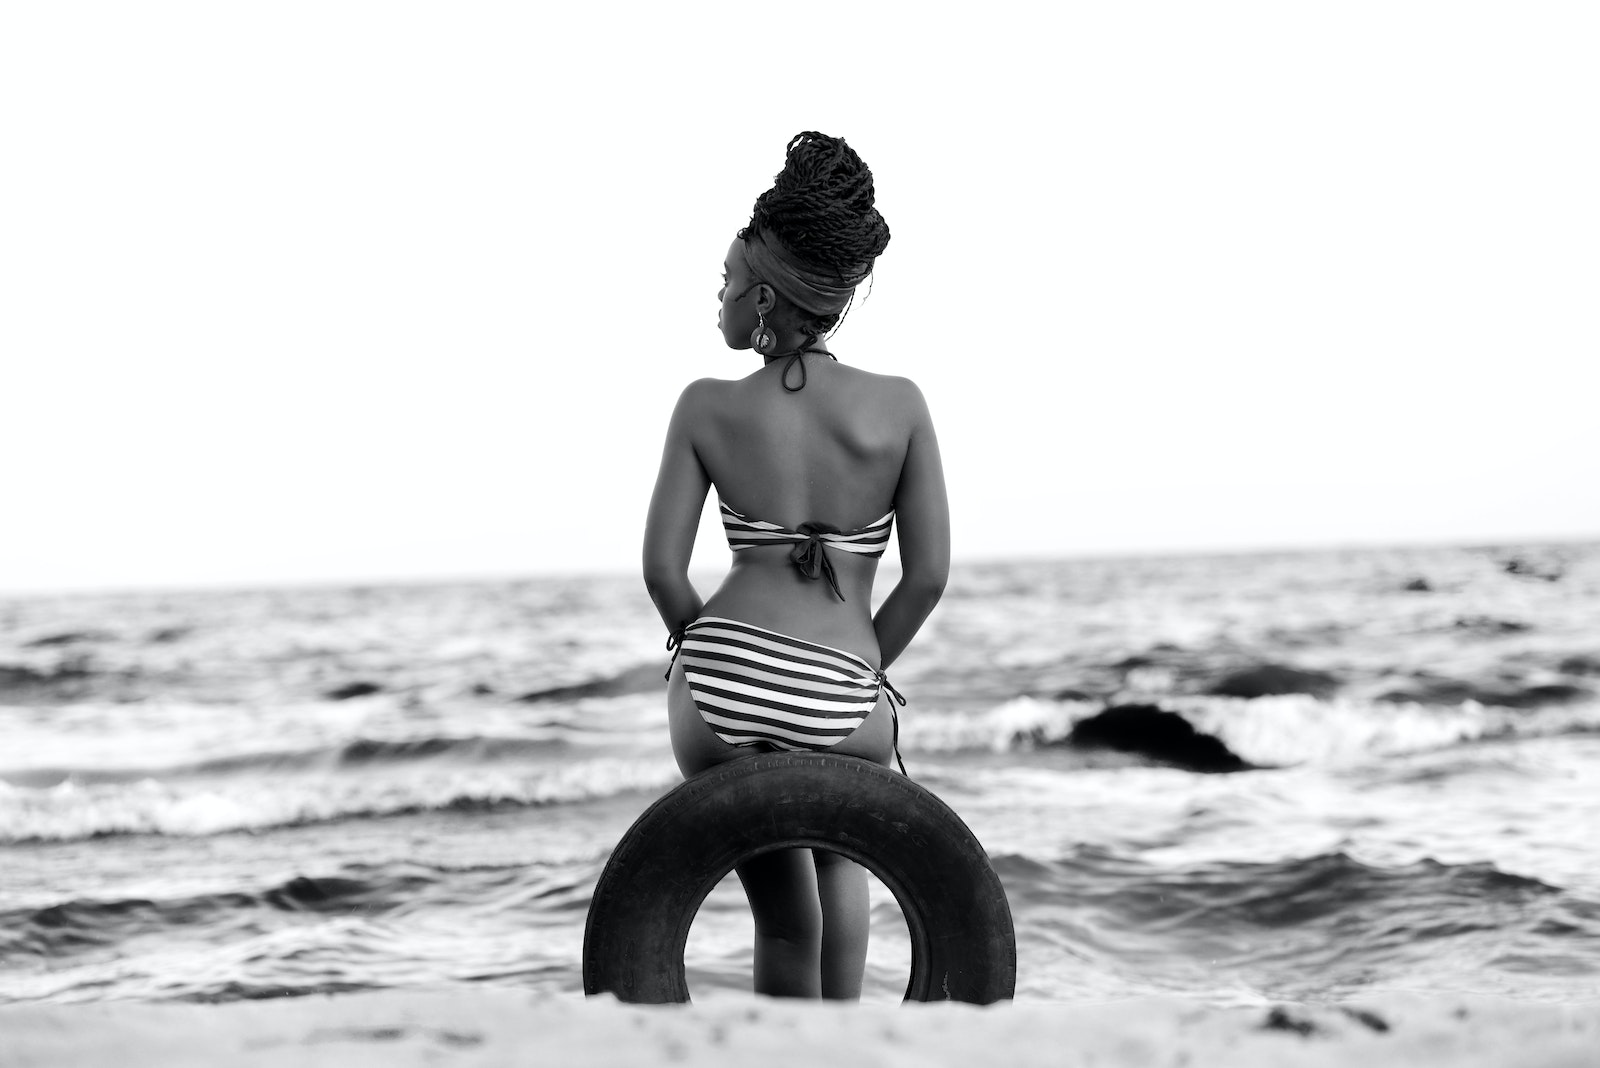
(1235, 778)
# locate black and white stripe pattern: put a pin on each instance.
(746, 533)
(755, 685)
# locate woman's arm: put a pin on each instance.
(675, 507)
(922, 513)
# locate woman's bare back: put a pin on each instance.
(830, 453)
(843, 451)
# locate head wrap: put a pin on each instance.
(814, 292)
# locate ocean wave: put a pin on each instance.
(79, 925)
(1311, 923)
(1513, 676)
(69, 637)
(70, 678)
(359, 752)
(1429, 689)
(70, 810)
(1262, 731)
(1020, 723)
(1295, 892)
(1295, 729)
(642, 678)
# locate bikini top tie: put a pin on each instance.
(811, 541)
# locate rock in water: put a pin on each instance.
(1156, 733)
(353, 689)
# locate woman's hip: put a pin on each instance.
(715, 728)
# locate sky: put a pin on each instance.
(323, 292)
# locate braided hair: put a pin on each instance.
(820, 208)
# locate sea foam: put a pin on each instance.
(1266, 731)
(70, 810)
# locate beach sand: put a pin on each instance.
(497, 1027)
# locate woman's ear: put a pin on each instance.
(766, 297)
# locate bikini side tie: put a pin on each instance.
(894, 716)
(674, 643)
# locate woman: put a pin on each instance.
(814, 462)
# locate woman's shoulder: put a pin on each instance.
(697, 405)
(897, 386)
(703, 392)
(893, 392)
(706, 397)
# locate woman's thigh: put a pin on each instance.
(874, 739)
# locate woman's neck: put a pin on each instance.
(791, 341)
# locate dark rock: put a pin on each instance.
(1582, 664)
(1070, 694)
(1367, 1018)
(353, 689)
(1280, 1018)
(168, 634)
(482, 689)
(641, 679)
(1517, 565)
(1158, 734)
(1419, 585)
(1269, 679)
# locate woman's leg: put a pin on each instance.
(781, 886)
(782, 889)
(846, 924)
(842, 883)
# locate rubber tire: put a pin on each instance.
(963, 945)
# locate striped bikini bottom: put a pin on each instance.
(755, 686)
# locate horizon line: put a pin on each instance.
(470, 578)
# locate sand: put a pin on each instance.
(497, 1027)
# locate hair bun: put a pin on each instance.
(820, 206)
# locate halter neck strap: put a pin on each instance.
(795, 360)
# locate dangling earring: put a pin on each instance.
(763, 340)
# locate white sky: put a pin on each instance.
(324, 291)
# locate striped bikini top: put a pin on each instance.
(811, 541)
